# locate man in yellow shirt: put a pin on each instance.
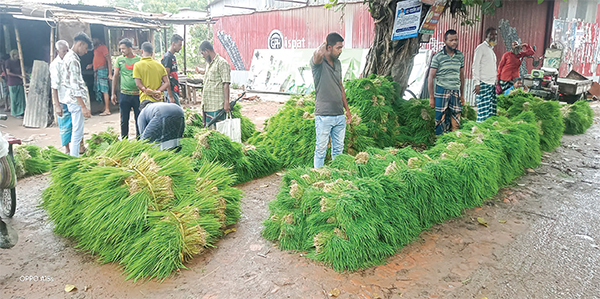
(150, 76)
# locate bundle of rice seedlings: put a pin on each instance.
(247, 126)
(417, 123)
(578, 117)
(99, 142)
(30, 160)
(244, 161)
(146, 209)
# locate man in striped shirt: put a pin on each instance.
(447, 69)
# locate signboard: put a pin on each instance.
(432, 18)
(408, 17)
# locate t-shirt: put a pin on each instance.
(150, 72)
(448, 68)
(100, 56)
(125, 66)
(328, 88)
(15, 68)
(170, 62)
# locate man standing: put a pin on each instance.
(170, 63)
(14, 80)
(447, 68)
(508, 69)
(215, 93)
(76, 89)
(162, 123)
(150, 76)
(102, 65)
(129, 97)
(330, 101)
(484, 75)
(63, 118)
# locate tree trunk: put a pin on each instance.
(387, 57)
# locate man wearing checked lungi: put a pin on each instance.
(484, 76)
(447, 69)
(102, 65)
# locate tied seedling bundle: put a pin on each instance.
(547, 114)
(193, 123)
(99, 142)
(360, 210)
(290, 134)
(145, 209)
(31, 159)
(578, 117)
(245, 162)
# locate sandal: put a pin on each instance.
(105, 113)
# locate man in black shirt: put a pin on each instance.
(170, 63)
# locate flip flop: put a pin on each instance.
(104, 113)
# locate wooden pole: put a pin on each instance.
(184, 51)
(21, 60)
(165, 39)
(51, 44)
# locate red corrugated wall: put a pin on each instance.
(308, 25)
(530, 20)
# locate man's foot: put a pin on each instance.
(105, 113)
(82, 148)
(19, 117)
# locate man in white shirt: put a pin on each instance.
(63, 117)
(484, 75)
(75, 89)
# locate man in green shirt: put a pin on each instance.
(447, 68)
(129, 97)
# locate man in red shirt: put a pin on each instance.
(508, 69)
(102, 65)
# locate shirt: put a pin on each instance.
(100, 57)
(218, 72)
(328, 87)
(125, 66)
(170, 62)
(15, 68)
(508, 69)
(484, 64)
(150, 72)
(448, 68)
(72, 79)
(56, 75)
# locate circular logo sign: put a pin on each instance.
(275, 39)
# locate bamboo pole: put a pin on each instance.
(21, 61)
(51, 44)
(184, 51)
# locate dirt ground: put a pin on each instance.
(541, 242)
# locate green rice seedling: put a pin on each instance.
(247, 126)
(99, 142)
(578, 117)
(417, 122)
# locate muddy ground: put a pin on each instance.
(542, 241)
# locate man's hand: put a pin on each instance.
(58, 109)
(171, 99)
(462, 100)
(113, 99)
(200, 71)
(89, 66)
(86, 112)
(155, 94)
(432, 103)
(110, 77)
(477, 89)
(348, 117)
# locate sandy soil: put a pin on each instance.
(456, 259)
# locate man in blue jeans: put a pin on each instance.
(330, 102)
(130, 95)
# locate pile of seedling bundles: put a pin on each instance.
(193, 123)
(380, 118)
(145, 209)
(359, 210)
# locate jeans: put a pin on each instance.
(77, 134)
(326, 127)
(175, 95)
(126, 103)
